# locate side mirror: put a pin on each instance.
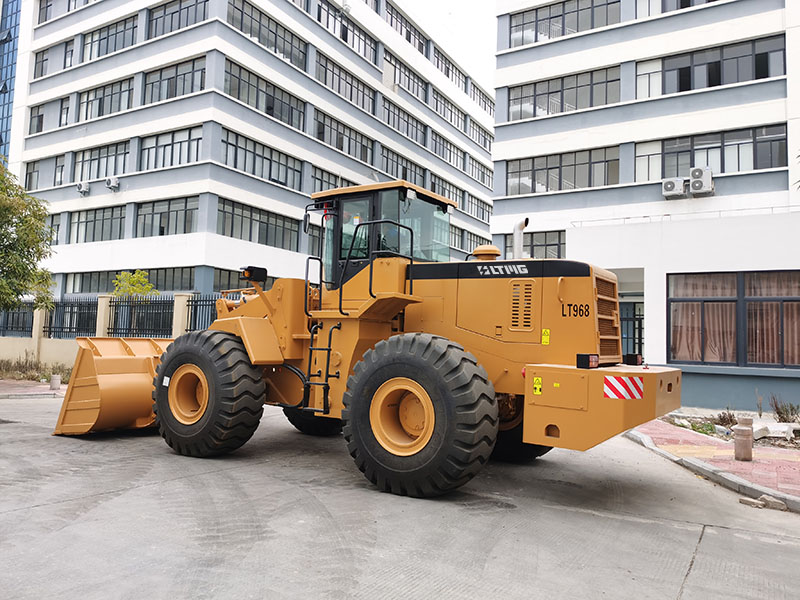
(306, 222)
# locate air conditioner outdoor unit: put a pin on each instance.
(112, 183)
(673, 187)
(82, 187)
(701, 181)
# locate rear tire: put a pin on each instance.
(309, 424)
(510, 447)
(420, 417)
(208, 397)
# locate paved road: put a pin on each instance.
(288, 516)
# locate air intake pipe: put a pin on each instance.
(517, 237)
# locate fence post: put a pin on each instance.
(37, 331)
(103, 315)
(180, 314)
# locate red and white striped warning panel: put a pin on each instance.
(623, 388)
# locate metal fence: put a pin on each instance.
(142, 317)
(202, 311)
(18, 322)
(71, 319)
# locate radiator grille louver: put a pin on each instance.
(522, 305)
(608, 321)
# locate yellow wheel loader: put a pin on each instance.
(427, 366)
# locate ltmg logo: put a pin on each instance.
(502, 269)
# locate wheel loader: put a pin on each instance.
(428, 367)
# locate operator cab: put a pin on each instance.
(364, 222)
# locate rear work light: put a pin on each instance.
(632, 359)
(587, 361)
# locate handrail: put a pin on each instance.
(372, 257)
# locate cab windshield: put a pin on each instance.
(430, 224)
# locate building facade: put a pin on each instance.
(185, 137)
(9, 34)
(606, 111)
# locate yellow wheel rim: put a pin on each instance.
(188, 394)
(401, 416)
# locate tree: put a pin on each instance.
(25, 241)
(133, 285)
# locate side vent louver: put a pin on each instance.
(522, 305)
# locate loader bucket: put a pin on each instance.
(111, 385)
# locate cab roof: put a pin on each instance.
(388, 185)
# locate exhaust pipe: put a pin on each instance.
(517, 237)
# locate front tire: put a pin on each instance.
(208, 397)
(420, 417)
(309, 424)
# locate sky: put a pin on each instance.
(465, 29)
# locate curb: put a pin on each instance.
(715, 474)
(31, 396)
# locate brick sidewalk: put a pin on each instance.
(775, 468)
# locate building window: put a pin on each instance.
(476, 207)
(171, 149)
(110, 38)
(69, 51)
(54, 223)
(97, 225)
(404, 27)
(444, 188)
(351, 34)
(746, 319)
(569, 171)
(231, 280)
(648, 79)
(482, 98)
(448, 110)
(728, 152)
(45, 10)
(106, 100)
(542, 244)
(175, 15)
(473, 240)
(325, 180)
(480, 136)
(172, 279)
(564, 94)
(176, 80)
(648, 8)
(446, 66)
(76, 4)
(36, 124)
(344, 83)
(670, 5)
(264, 96)
(167, 217)
(32, 175)
(247, 155)
(315, 240)
(400, 167)
(447, 150)
(398, 72)
(58, 175)
(456, 237)
(63, 115)
(271, 34)
(480, 172)
(401, 121)
(101, 162)
(255, 225)
(648, 161)
(562, 18)
(40, 64)
(711, 67)
(344, 138)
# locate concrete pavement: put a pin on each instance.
(289, 516)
